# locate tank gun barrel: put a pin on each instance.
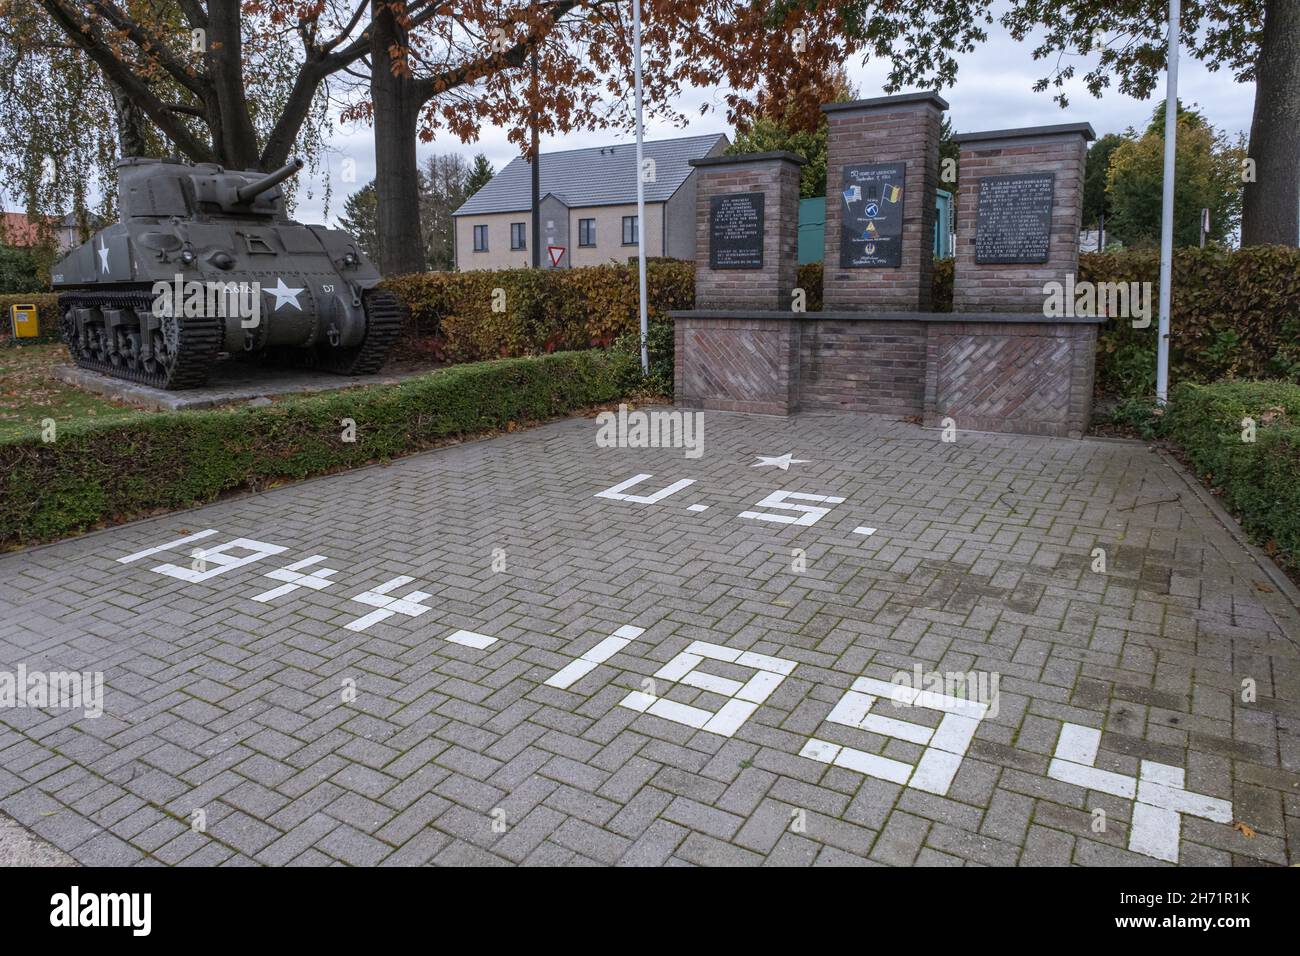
(254, 189)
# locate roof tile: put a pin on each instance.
(596, 176)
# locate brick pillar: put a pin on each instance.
(902, 130)
(766, 181)
(1038, 161)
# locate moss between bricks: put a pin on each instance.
(112, 470)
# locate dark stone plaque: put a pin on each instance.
(871, 226)
(736, 231)
(1014, 219)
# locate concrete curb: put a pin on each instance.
(21, 847)
(249, 388)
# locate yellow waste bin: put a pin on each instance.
(24, 321)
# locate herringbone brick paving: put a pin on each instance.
(449, 754)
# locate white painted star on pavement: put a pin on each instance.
(103, 255)
(283, 294)
(781, 461)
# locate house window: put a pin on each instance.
(480, 239)
(586, 232)
(517, 235)
(629, 231)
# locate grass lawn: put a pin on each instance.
(29, 392)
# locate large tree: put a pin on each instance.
(444, 184)
(479, 175)
(1269, 205)
(1096, 200)
(240, 84)
(1256, 40)
(1209, 177)
(785, 128)
(414, 60)
(222, 81)
(360, 218)
(58, 130)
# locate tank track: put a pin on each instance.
(384, 314)
(200, 339)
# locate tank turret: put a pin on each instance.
(205, 263)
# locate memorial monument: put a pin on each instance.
(747, 250)
(747, 244)
(995, 363)
(1019, 209)
(882, 170)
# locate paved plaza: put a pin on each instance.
(535, 650)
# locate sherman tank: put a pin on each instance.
(204, 263)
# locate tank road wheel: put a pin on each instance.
(78, 348)
(163, 344)
(132, 349)
(103, 351)
(121, 354)
(383, 326)
(181, 351)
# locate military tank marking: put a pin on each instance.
(285, 295)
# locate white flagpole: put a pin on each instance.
(1167, 210)
(640, 189)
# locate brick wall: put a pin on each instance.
(1030, 378)
(888, 129)
(737, 365)
(1019, 288)
(862, 367)
(1027, 378)
(776, 175)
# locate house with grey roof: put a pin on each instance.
(588, 207)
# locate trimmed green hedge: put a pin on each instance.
(1259, 480)
(98, 471)
(809, 278)
(487, 314)
(1235, 312)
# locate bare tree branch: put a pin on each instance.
(90, 38)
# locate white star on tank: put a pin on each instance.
(283, 294)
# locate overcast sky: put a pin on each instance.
(994, 90)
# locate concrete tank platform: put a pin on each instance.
(229, 382)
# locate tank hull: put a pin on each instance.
(192, 274)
